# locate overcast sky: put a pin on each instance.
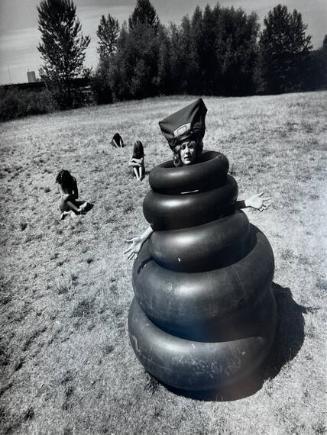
(19, 35)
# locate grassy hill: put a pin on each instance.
(66, 362)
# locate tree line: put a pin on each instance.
(215, 51)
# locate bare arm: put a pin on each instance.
(137, 242)
(136, 162)
(75, 190)
(258, 202)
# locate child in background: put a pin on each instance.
(137, 161)
(69, 194)
(117, 141)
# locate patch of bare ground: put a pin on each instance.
(66, 363)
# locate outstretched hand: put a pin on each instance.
(259, 202)
(134, 248)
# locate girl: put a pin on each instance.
(137, 161)
(69, 194)
(117, 141)
(184, 131)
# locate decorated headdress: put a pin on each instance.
(187, 123)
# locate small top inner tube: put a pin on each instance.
(167, 212)
(209, 172)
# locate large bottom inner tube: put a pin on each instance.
(165, 212)
(218, 243)
(210, 171)
(192, 365)
(254, 318)
(179, 299)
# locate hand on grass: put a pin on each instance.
(258, 202)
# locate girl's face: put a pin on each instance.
(188, 152)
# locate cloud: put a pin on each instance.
(90, 18)
(90, 15)
(19, 40)
(107, 3)
(17, 14)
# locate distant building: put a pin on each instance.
(31, 77)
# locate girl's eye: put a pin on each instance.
(189, 146)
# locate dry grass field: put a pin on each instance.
(66, 363)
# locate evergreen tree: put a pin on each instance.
(143, 54)
(324, 43)
(135, 67)
(119, 73)
(145, 14)
(187, 56)
(236, 51)
(209, 65)
(107, 33)
(284, 50)
(100, 82)
(62, 47)
(164, 77)
(177, 59)
(197, 36)
(317, 77)
(323, 51)
(215, 52)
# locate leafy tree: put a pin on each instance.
(108, 32)
(62, 47)
(284, 50)
(144, 13)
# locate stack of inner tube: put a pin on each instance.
(204, 316)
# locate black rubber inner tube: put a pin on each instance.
(203, 247)
(253, 318)
(165, 212)
(209, 172)
(180, 299)
(193, 365)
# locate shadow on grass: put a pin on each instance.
(288, 341)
